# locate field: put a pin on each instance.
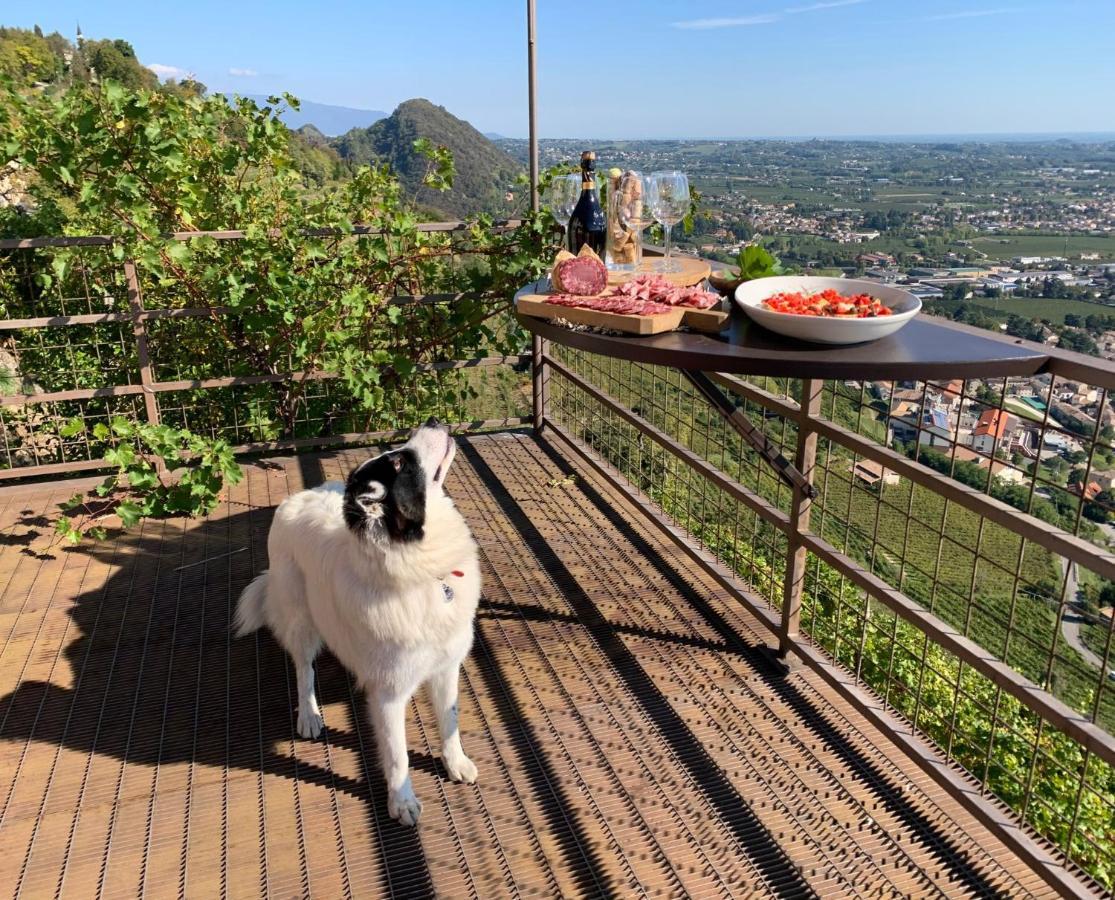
(1053, 310)
(1041, 308)
(1022, 409)
(1007, 246)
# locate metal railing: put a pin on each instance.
(97, 349)
(953, 587)
(947, 583)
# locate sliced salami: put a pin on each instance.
(582, 276)
(583, 280)
(613, 303)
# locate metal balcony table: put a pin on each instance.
(925, 349)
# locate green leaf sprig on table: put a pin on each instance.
(755, 261)
(189, 481)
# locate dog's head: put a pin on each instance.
(387, 495)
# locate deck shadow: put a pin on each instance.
(816, 719)
(755, 842)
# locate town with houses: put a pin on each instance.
(1009, 438)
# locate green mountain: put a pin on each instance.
(318, 162)
(484, 172)
(312, 135)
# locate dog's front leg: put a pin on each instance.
(387, 711)
(443, 695)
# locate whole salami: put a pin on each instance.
(582, 275)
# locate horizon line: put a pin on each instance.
(862, 136)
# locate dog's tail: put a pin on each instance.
(249, 611)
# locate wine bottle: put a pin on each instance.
(588, 225)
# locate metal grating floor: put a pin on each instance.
(630, 739)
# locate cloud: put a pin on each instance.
(971, 14)
(764, 19)
(737, 22)
(243, 73)
(167, 71)
(826, 4)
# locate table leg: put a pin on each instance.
(735, 417)
(539, 378)
(796, 556)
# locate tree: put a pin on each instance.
(1099, 509)
(1107, 594)
(115, 60)
(187, 87)
(1080, 341)
(27, 57)
(296, 294)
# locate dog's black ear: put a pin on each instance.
(365, 490)
(406, 502)
(407, 507)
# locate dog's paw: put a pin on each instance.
(461, 768)
(404, 807)
(310, 723)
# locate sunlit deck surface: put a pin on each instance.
(631, 738)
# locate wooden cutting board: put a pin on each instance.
(536, 305)
(693, 271)
(708, 320)
(711, 321)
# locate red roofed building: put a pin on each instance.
(990, 431)
(950, 393)
(1090, 493)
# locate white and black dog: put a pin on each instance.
(384, 572)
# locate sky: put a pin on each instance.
(647, 68)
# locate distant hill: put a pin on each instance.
(312, 136)
(484, 172)
(316, 159)
(329, 120)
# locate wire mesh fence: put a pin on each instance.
(87, 337)
(986, 504)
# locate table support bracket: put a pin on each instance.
(735, 417)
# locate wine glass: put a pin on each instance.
(563, 194)
(669, 204)
(633, 209)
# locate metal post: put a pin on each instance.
(540, 380)
(532, 102)
(538, 373)
(143, 356)
(804, 460)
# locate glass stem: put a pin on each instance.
(669, 228)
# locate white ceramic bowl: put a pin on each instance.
(826, 330)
